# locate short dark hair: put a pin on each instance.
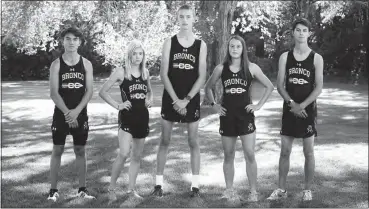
(75, 31)
(187, 7)
(302, 21)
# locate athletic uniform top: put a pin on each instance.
(300, 77)
(183, 68)
(236, 89)
(135, 91)
(72, 84)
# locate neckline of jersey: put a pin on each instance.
(229, 68)
(183, 46)
(71, 65)
(303, 59)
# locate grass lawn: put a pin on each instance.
(341, 152)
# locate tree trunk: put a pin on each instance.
(216, 38)
(223, 27)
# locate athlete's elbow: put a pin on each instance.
(320, 90)
(271, 88)
(279, 88)
(207, 87)
(101, 93)
(163, 77)
(53, 95)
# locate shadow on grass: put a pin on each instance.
(27, 148)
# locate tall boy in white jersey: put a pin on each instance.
(71, 88)
(183, 72)
(299, 82)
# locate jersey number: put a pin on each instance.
(235, 90)
(138, 96)
(183, 66)
(298, 81)
(72, 85)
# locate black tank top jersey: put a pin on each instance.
(72, 84)
(236, 89)
(300, 77)
(135, 91)
(183, 68)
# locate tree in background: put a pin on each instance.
(215, 25)
(108, 26)
(30, 32)
(338, 32)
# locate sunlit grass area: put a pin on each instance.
(341, 151)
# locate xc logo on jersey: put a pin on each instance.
(85, 126)
(250, 127)
(183, 66)
(197, 114)
(300, 81)
(309, 129)
(71, 69)
(235, 91)
(72, 85)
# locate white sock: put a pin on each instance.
(159, 180)
(195, 181)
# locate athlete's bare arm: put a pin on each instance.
(281, 78)
(164, 70)
(150, 95)
(281, 84)
(318, 64)
(54, 86)
(73, 114)
(116, 76)
(202, 71)
(260, 76)
(215, 76)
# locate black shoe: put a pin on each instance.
(158, 191)
(53, 195)
(195, 192)
(83, 193)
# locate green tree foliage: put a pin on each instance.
(30, 31)
(339, 31)
(108, 27)
(124, 21)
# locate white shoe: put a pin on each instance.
(85, 194)
(253, 197)
(112, 196)
(231, 197)
(53, 195)
(278, 194)
(133, 200)
(307, 195)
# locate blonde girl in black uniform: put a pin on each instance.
(133, 116)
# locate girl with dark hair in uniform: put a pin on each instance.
(237, 112)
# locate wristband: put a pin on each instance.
(174, 102)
